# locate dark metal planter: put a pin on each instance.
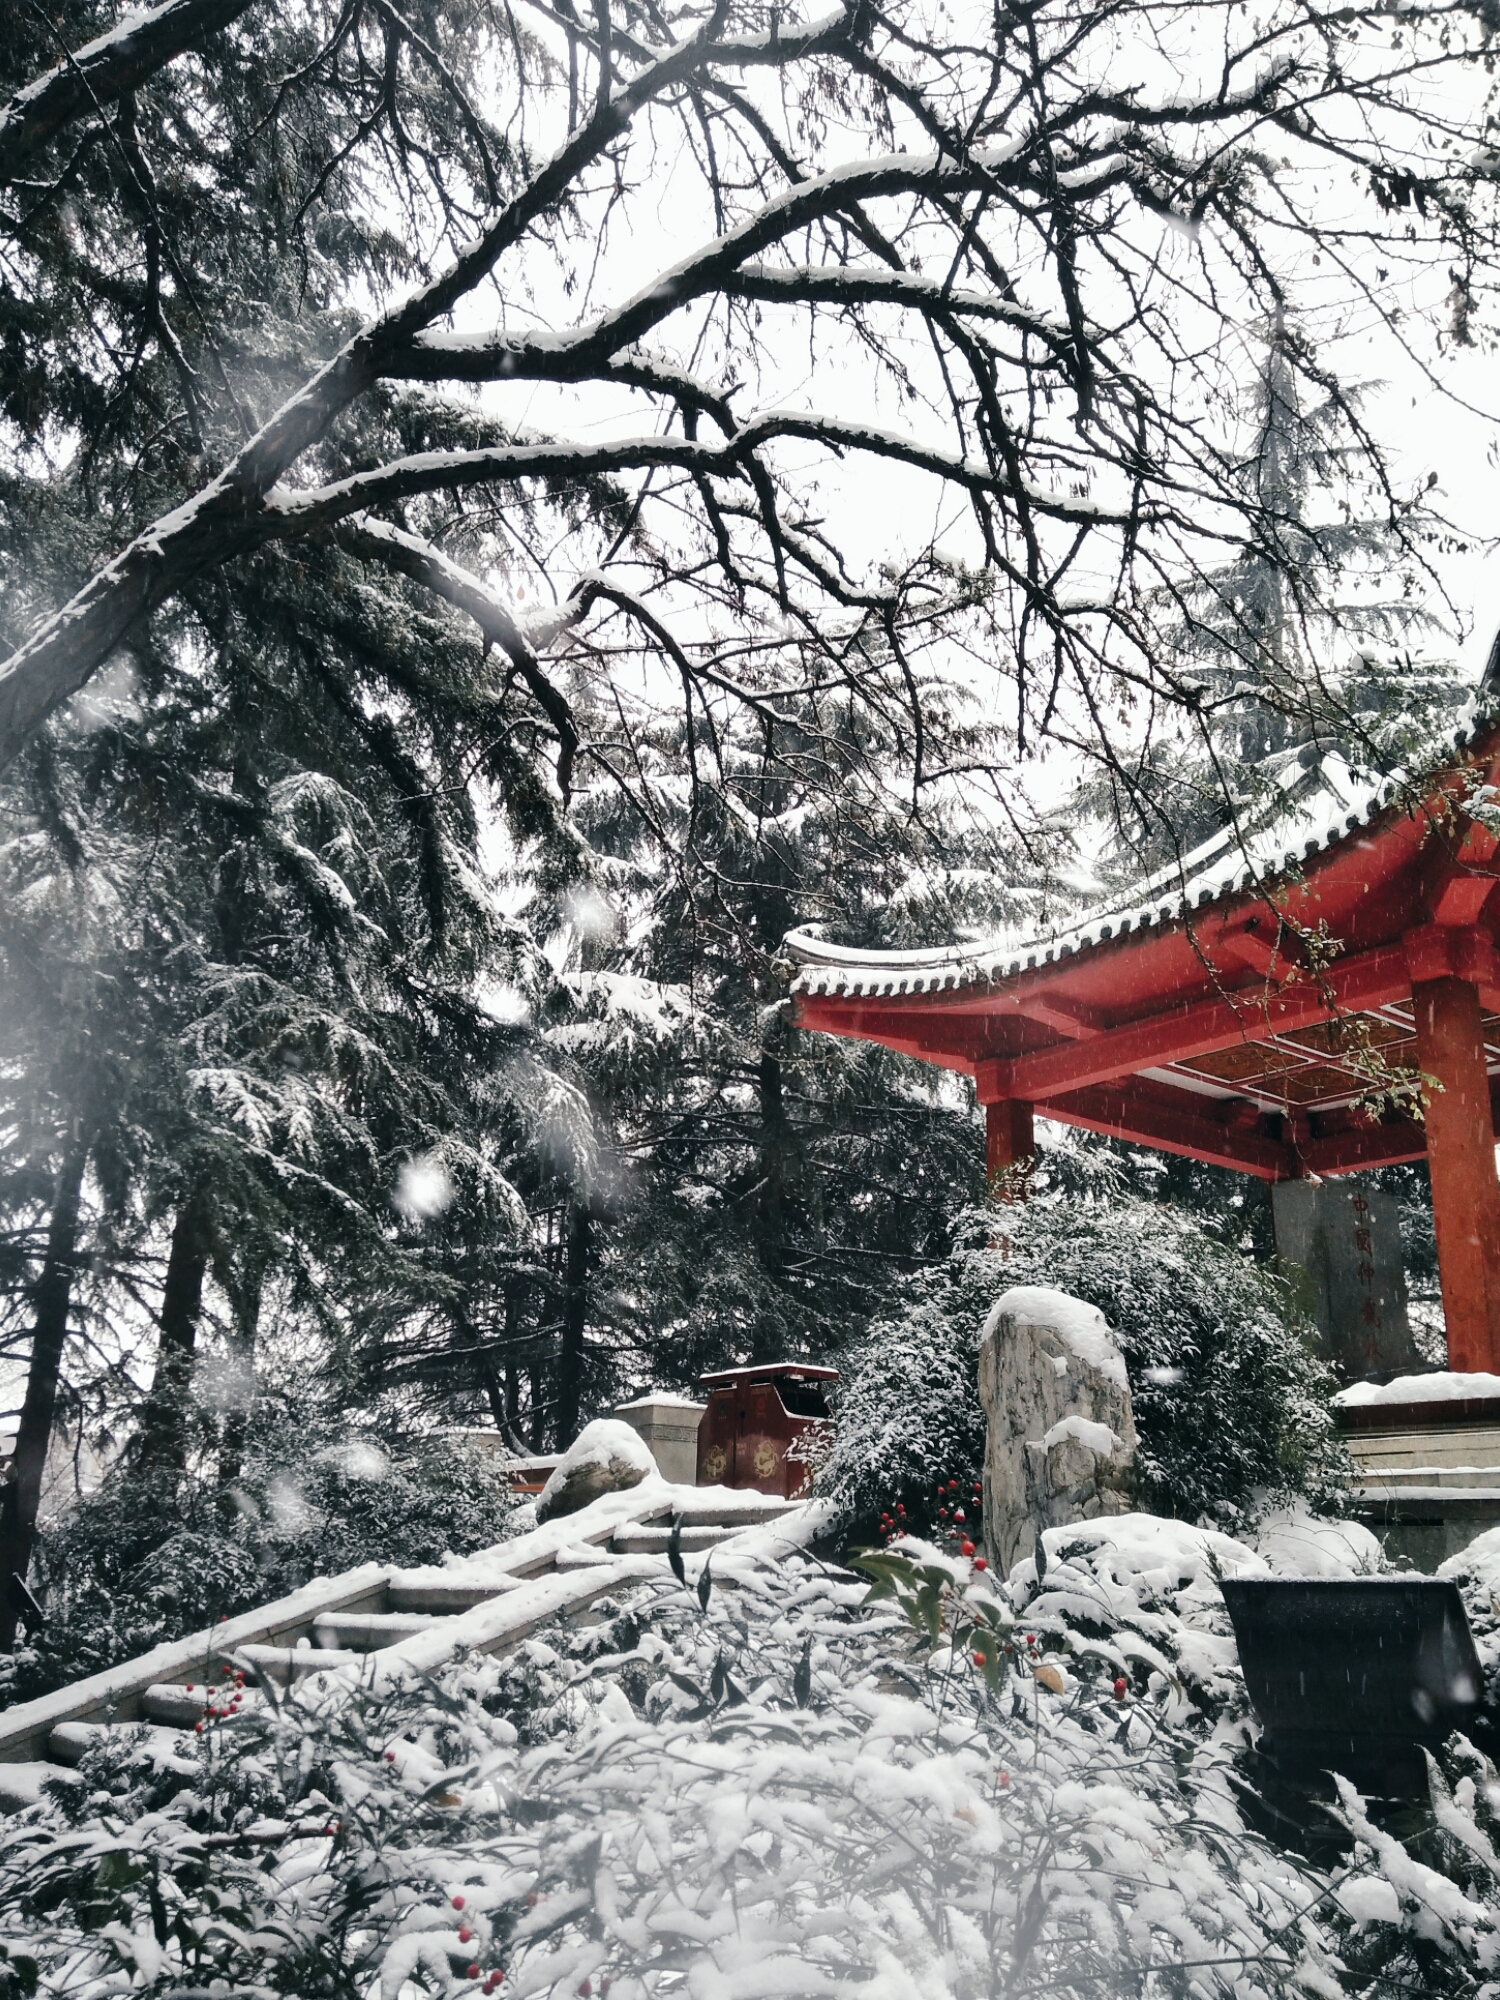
(1357, 1675)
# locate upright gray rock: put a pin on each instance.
(1061, 1437)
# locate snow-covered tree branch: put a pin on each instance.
(1021, 254)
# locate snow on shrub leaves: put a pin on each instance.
(1229, 1398)
(781, 1794)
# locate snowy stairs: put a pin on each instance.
(421, 1618)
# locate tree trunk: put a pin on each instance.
(770, 1207)
(163, 1440)
(512, 1423)
(54, 1293)
(575, 1317)
(535, 1375)
(245, 1301)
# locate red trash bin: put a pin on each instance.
(754, 1416)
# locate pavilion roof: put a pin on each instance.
(1324, 806)
(1251, 1006)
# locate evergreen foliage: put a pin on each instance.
(1230, 1402)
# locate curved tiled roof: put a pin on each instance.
(1319, 814)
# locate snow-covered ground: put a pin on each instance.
(770, 1786)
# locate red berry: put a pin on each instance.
(1121, 1686)
(942, 1513)
(458, 1902)
(952, 1485)
(585, 1988)
(902, 1512)
(979, 1659)
(1031, 1638)
(189, 1687)
(197, 1728)
(977, 1487)
(980, 1563)
(966, 1548)
(473, 1971)
(958, 1513)
(390, 1756)
(464, 1934)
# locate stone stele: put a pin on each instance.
(1060, 1436)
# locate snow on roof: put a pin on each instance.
(1323, 806)
(1446, 1386)
(768, 1371)
(1081, 1327)
(653, 1400)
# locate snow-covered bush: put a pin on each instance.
(149, 1557)
(780, 1793)
(1229, 1398)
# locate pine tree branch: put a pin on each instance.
(103, 70)
(225, 518)
(378, 542)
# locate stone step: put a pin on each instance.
(444, 1600)
(286, 1663)
(179, 1706)
(1404, 1478)
(21, 1782)
(711, 1512)
(1385, 1506)
(655, 1541)
(69, 1740)
(368, 1631)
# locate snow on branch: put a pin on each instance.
(102, 71)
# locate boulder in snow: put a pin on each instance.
(605, 1457)
(1061, 1438)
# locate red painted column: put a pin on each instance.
(1461, 1164)
(1008, 1137)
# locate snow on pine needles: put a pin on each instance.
(791, 1780)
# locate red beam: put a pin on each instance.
(1366, 1146)
(1179, 1033)
(1132, 1112)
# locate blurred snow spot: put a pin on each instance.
(288, 1507)
(109, 698)
(1163, 1378)
(589, 914)
(423, 1188)
(506, 1005)
(223, 1382)
(359, 1459)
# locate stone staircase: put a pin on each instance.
(1427, 1489)
(414, 1618)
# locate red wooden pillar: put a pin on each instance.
(1461, 1165)
(1008, 1136)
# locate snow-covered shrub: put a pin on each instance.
(1229, 1397)
(780, 1794)
(150, 1557)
